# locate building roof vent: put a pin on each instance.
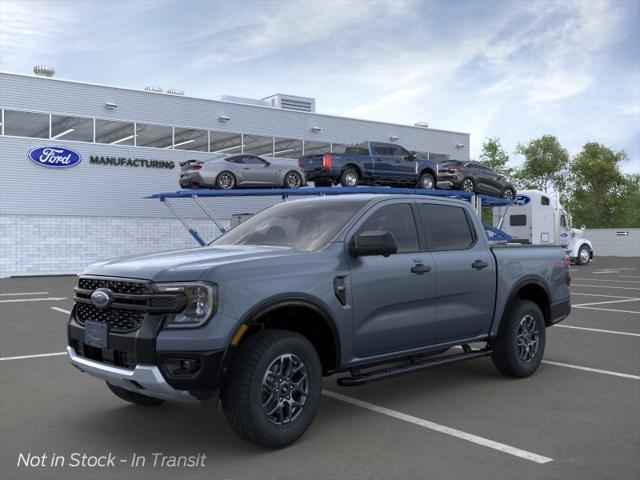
(175, 91)
(244, 100)
(421, 124)
(153, 88)
(292, 102)
(44, 71)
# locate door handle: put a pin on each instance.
(479, 265)
(420, 269)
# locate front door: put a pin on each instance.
(393, 297)
(466, 270)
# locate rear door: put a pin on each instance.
(383, 160)
(393, 306)
(466, 273)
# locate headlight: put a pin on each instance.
(201, 303)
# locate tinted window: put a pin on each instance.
(26, 124)
(518, 220)
(544, 200)
(304, 225)
(397, 219)
(71, 128)
(447, 227)
(238, 159)
(115, 133)
(357, 151)
(383, 150)
(450, 163)
(253, 160)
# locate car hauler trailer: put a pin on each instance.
(537, 218)
(478, 201)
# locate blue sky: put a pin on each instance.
(511, 69)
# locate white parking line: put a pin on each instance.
(61, 310)
(598, 295)
(631, 299)
(485, 442)
(605, 286)
(589, 369)
(605, 280)
(21, 357)
(48, 299)
(609, 310)
(607, 271)
(629, 276)
(23, 293)
(615, 332)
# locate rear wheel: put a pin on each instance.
(427, 181)
(518, 350)
(272, 390)
(584, 255)
(226, 180)
(468, 185)
(134, 397)
(349, 178)
(293, 179)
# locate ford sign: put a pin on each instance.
(521, 200)
(55, 157)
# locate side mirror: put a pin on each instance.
(373, 242)
(583, 227)
(266, 164)
(411, 157)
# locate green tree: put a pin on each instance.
(495, 157)
(545, 164)
(598, 191)
(630, 216)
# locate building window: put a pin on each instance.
(225, 143)
(316, 148)
(26, 124)
(191, 139)
(71, 128)
(115, 133)
(258, 145)
(287, 148)
(157, 136)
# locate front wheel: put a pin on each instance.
(427, 181)
(508, 194)
(293, 179)
(584, 255)
(518, 350)
(272, 390)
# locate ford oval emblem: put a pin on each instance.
(102, 298)
(55, 157)
(521, 200)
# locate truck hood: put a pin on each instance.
(182, 265)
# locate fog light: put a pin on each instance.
(178, 367)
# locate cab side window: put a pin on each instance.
(397, 219)
(447, 227)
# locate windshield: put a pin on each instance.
(303, 225)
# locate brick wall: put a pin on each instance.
(41, 244)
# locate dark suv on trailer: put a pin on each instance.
(474, 177)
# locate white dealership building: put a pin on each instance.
(126, 144)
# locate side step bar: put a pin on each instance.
(358, 378)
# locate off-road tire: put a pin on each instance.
(242, 392)
(134, 397)
(344, 177)
(505, 354)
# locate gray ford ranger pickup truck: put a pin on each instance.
(373, 286)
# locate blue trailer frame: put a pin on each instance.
(479, 201)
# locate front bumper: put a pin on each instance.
(144, 379)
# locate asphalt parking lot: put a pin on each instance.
(577, 417)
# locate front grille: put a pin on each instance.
(119, 320)
(116, 286)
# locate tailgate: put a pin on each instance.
(311, 163)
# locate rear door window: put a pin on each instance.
(397, 219)
(446, 227)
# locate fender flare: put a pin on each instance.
(296, 300)
(523, 282)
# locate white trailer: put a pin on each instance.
(537, 218)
